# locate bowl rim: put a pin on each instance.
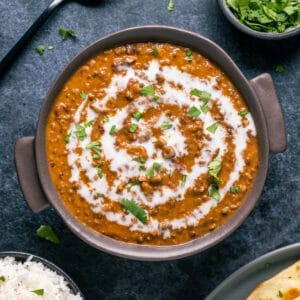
(23, 256)
(292, 31)
(155, 33)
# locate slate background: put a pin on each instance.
(273, 223)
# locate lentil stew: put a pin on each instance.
(151, 143)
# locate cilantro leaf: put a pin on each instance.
(204, 108)
(39, 292)
(214, 167)
(213, 127)
(279, 69)
(83, 95)
(135, 209)
(194, 112)
(243, 113)
(171, 5)
(46, 232)
(188, 55)
(50, 47)
(133, 127)
(138, 115)
(40, 49)
(89, 123)
(64, 33)
(2, 278)
(95, 146)
(132, 184)
(266, 16)
(214, 192)
(105, 119)
(183, 180)
(205, 96)
(149, 90)
(165, 125)
(154, 168)
(80, 132)
(280, 294)
(234, 189)
(141, 160)
(68, 137)
(113, 130)
(155, 52)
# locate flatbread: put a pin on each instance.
(283, 286)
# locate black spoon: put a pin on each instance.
(7, 61)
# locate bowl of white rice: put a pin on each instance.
(28, 277)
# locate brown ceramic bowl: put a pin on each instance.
(259, 94)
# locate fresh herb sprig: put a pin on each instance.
(266, 16)
(135, 209)
(46, 232)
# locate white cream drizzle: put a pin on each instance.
(121, 162)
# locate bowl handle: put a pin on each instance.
(265, 91)
(28, 176)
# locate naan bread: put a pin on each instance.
(283, 286)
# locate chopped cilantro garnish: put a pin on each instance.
(64, 33)
(80, 132)
(40, 49)
(154, 168)
(213, 127)
(83, 95)
(99, 172)
(105, 119)
(2, 278)
(100, 195)
(68, 137)
(96, 156)
(243, 113)
(204, 108)
(113, 130)
(266, 16)
(138, 115)
(234, 189)
(132, 184)
(165, 125)
(133, 127)
(142, 168)
(279, 69)
(39, 292)
(194, 112)
(141, 160)
(188, 55)
(155, 52)
(89, 123)
(95, 146)
(205, 96)
(280, 294)
(214, 192)
(46, 232)
(135, 209)
(214, 168)
(149, 90)
(183, 180)
(171, 5)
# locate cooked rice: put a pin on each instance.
(21, 278)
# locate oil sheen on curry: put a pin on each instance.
(151, 143)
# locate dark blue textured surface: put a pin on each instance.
(273, 223)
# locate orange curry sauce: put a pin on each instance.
(191, 122)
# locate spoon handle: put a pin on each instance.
(7, 61)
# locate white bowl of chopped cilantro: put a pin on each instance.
(265, 19)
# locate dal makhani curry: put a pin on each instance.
(151, 143)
